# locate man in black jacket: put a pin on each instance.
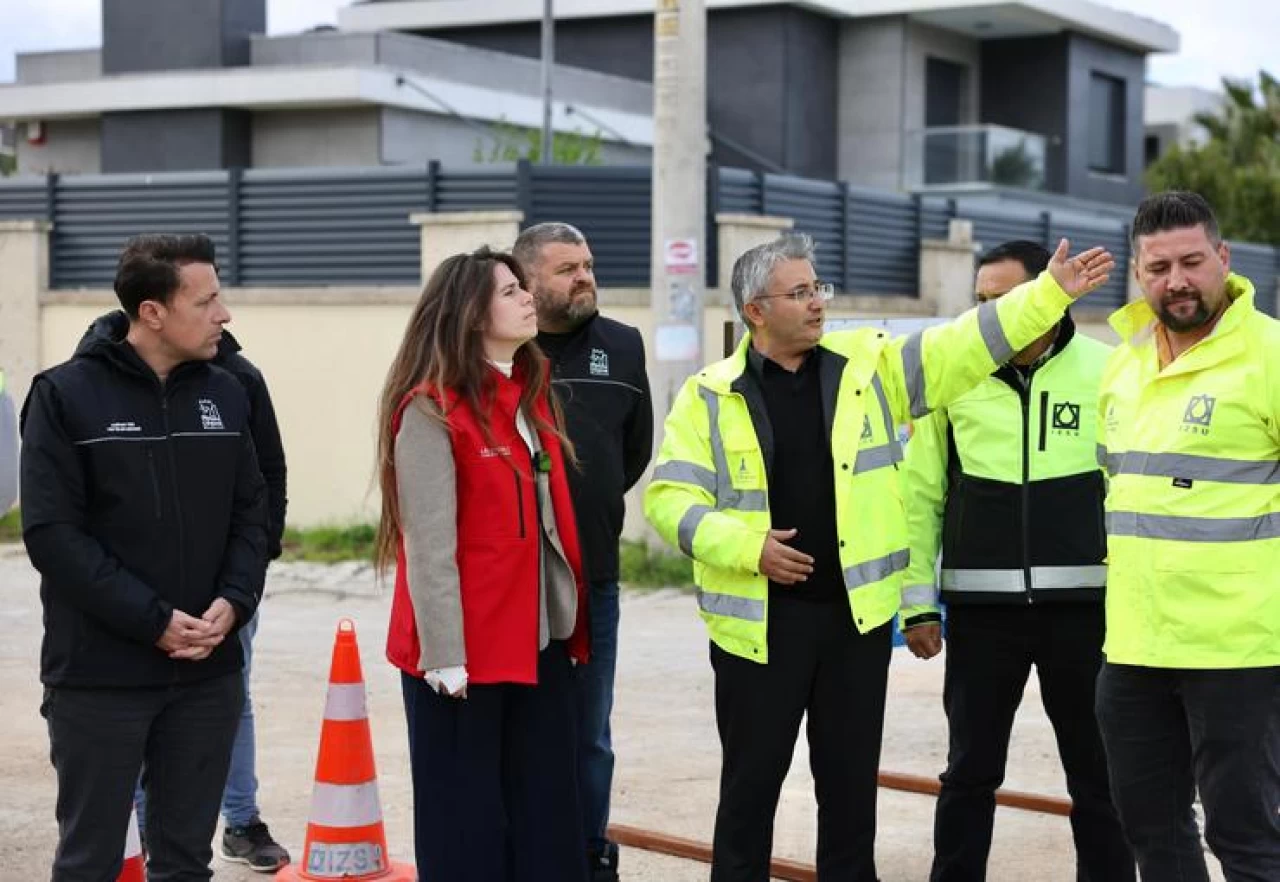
(144, 510)
(246, 839)
(599, 376)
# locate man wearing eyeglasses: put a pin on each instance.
(778, 474)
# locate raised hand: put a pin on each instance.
(1083, 273)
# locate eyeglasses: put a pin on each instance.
(804, 293)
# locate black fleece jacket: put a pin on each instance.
(598, 374)
(138, 498)
(262, 418)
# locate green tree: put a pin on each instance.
(1014, 166)
(1238, 168)
(513, 143)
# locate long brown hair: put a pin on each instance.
(443, 346)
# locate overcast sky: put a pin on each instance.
(1223, 38)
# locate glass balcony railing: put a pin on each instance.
(951, 156)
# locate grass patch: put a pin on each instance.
(643, 567)
(329, 544)
(11, 527)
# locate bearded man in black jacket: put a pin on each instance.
(145, 512)
(598, 375)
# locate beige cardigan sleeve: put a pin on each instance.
(425, 480)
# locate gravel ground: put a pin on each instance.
(664, 736)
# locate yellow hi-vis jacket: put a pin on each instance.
(709, 495)
(1193, 509)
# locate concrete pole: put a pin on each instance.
(678, 262)
(548, 61)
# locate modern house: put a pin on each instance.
(950, 95)
(892, 94)
(177, 87)
(1170, 118)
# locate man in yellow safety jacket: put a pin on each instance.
(778, 474)
(1189, 430)
(1006, 483)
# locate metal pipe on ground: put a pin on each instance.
(794, 871)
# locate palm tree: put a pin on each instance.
(1238, 169)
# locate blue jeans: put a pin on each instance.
(240, 794)
(594, 686)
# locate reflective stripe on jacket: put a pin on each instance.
(1193, 510)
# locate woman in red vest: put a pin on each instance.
(489, 612)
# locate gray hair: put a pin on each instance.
(531, 241)
(753, 271)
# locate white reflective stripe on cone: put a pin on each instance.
(132, 841)
(346, 701)
(345, 805)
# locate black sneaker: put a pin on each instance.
(603, 864)
(252, 844)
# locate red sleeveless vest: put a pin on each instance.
(499, 542)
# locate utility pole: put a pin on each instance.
(548, 62)
(678, 258)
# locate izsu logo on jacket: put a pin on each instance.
(867, 434)
(1066, 417)
(210, 419)
(599, 363)
(1199, 414)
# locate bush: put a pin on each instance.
(329, 544)
(643, 567)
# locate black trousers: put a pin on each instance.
(1170, 731)
(99, 740)
(495, 792)
(990, 651)
(819, 666)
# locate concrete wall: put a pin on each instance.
(869, 120)
(455, 62)
(347, 337)
(771, 74)
(155, 35)
(175, 140)
(620, 44)
(330, 137)
(1088, 56)
(71, 146)
(62, 66)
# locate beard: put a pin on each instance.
(568, 312)
(1180, 324)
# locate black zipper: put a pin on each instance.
(1024, 396)
(155, 480)
(177, 497)
(1044, 419)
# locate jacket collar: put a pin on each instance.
(1135, 322)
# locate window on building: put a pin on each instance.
(1106, 124)
(1151, 148)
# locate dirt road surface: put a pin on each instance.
(664, 736)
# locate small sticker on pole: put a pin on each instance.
(680, 256)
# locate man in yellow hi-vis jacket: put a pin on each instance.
(1005, 485)
(1189, 430)
(778, 474)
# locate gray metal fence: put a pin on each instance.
(294, 227)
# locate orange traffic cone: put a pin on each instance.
(132, 870)
(345, 837)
